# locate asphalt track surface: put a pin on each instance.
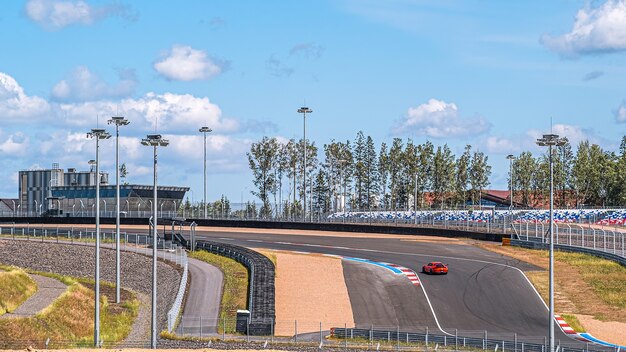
(483, 291)
(202, 305)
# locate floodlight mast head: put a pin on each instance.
(551, 140)
(98, 133)
(118, 120)
(205, 129)
(305, 110)
(510, 157)
(155, 140)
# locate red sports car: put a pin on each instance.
(435, 268)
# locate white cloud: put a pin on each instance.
(82, 85)
(598, 29)
(15, 145)
(184, 63)
(438, 119)
(56, 14)
(15, 104)
(498, 145)
(167, 112)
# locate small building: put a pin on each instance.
(73, 193)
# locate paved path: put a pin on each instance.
(203, 299)
(48, 290)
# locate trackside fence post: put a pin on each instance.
(321, 335)
(485, 341)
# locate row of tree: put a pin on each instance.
(356, 175)
(591, 176)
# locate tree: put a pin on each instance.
(462, 175)
(563, 178)
(479, 175)
(395, 168)
(441, 178)
(524, 168)
(423, 169)
(383, 174)
(360, 171)
(321, 202)
(371, 169)
(587, 173)
(621, 174)
(123, 173)
(289, 162)
(262, 158)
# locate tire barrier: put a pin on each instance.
(261, 287)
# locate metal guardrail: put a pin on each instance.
(261, 289)
(611, 240)
(175, 311)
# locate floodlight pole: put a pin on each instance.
(97, 134)
(304, 110)
(204, 131)
(550, 140)
(154, 141)
(118, 121)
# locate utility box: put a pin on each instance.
(243, 317)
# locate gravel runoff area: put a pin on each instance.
(309, 289)
(77, 261)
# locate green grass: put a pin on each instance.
(573, 322)
(16, 286)
(235, 289)
(69, 319)
(606, 278)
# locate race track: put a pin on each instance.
(484, 291)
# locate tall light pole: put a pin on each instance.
(154, 140)
(304, 110)
(551, 140)
(511, 158)
(97, 134)
(118, 121)
(204, 130)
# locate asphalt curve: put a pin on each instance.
(201, 311)
(483, 291)
(383, 300)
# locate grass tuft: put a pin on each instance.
(16, 286)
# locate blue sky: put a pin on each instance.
(486, 73)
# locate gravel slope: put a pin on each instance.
(78, 261)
